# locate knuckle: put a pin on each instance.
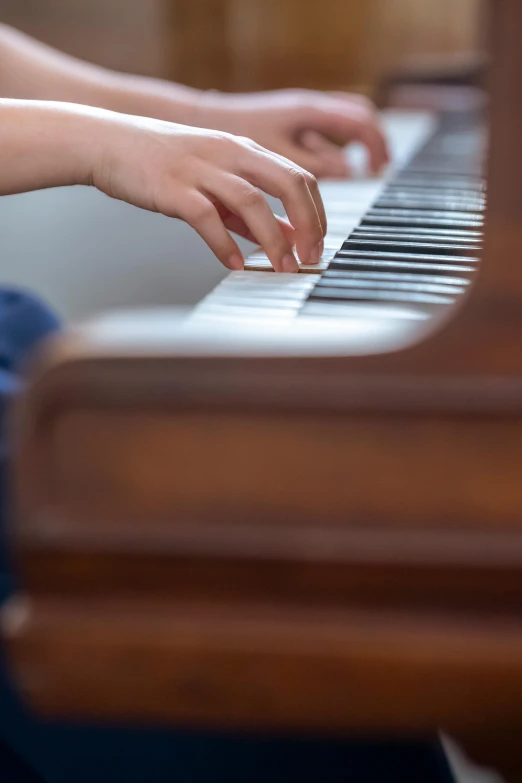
(317, 231)
(223, 137)
(220, 141)
(200, 212)
(311, 181)
(367, 111)
(307, 99)
(229, 143)
(277, 247)
(368, 104)
(363, 116)
(374, 126)
(251, 197)
(362, 107)
(297, 177)
(246, 141)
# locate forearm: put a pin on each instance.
(46, 144)
(32, 70)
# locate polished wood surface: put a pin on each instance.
(107, 487)
(321, 544)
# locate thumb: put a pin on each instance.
(331, 155)
(315, 161)
(342, 125)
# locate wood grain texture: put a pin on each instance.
(257, 665)
(269, 470)
(314, 671)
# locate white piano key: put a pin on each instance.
(256, 295)
(259, 293)
(262, 264)
(260, 302)
(229, 317)
(331, 241)
(263, 279)
(262, 290)
(238, 310)
(360, 310)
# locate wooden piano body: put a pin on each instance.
(270, 527)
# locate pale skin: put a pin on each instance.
(206, 158)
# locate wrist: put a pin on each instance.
(218, 111)
(45, 144)
(146, 97)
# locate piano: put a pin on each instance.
(298, 505)
(399, 250)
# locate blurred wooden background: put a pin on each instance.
(253, 44)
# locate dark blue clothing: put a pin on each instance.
(33, 750)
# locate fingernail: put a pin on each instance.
(236, 262)
(316, 253)
(289, 264)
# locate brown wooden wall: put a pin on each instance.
(122, 34)
(259, 44)
(252, 44)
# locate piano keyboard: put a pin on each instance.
(400, 250)
(413, 237)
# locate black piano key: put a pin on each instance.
(420, 242)
(361, 309)
(418, 189)
(440, 181)
(390, 202)
(435, 214)
(415, 247)
(433, 190)
(436, 190)
(414, 285)
(372, 295)
(390, 265)
(372, 218)
(428, 168)
(444, 194)
(428, 237)
(341, 275)
(433, 258)
(449, 235)
(436, 185)
(456, 162)
(432, 205)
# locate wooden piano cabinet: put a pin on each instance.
(238, 45)
(302, 543)
(242, 45)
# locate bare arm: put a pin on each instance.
(32, 70)
(214, 181)
(310, 128)
(44, 144)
